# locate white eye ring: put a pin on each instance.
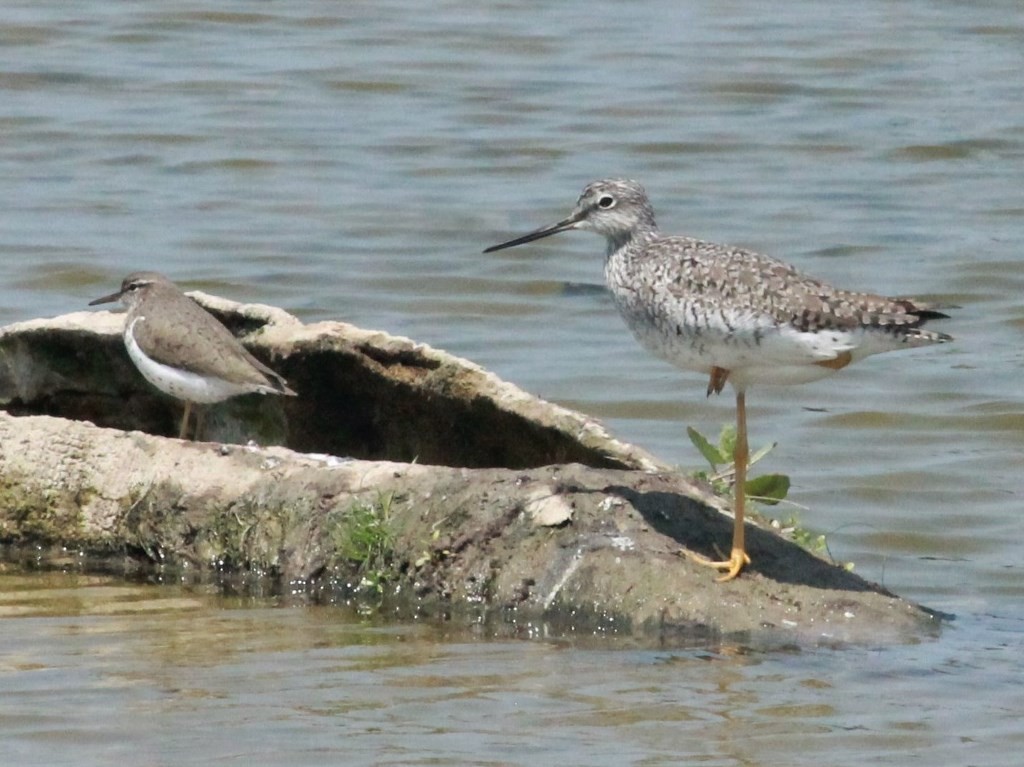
(606, 201)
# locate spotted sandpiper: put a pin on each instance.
(732, 314)
(183, 350)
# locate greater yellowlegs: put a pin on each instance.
(732, 314)
(183, 350)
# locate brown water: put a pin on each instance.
(351, 160)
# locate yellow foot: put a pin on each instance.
(732, 566)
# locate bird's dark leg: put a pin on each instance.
(200, 423)
(184, 420)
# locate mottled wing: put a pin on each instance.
(737, 293)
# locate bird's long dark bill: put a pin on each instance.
(536, 234)
(106, 299)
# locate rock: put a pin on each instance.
(399, 469)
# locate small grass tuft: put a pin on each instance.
(364, 539)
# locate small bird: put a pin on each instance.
(732, 314)
(183, 350)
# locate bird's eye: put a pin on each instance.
(606, 202)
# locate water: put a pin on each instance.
(149, 675)
(352, 160)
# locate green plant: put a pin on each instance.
(430, 552)
(804, 537)
(364, 538)
(767, 489)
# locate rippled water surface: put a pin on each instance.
(351, 161)
(120, 674)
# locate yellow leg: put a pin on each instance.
(738, 558)
(184, 420)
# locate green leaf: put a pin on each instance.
(709, 451)
(768, 488)
(727, 442)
